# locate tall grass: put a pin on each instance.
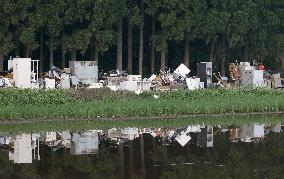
(27, 104)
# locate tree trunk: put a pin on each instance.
(282, 64)
(73, 54)
(17, 42)
(141, 37)
(129, 39)
(1, 60)
(153, 45)
(92, 48)
(63, 52)
(142, 155)
(41, 51)
(222, 56)
(167, 58)
(50, 57)
(27, 51)
(186, 50)
(246, 52)
(212, 50)
(163, 58)
(130, 169)
(96, 52)
(119, 46)
(121, 159)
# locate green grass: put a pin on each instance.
(140, 123)
(26, 104)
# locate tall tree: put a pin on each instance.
(152, 10)
(141, 38)
(5, 35)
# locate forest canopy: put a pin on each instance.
(143, 36)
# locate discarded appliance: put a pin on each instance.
(277, 81)
(49, 83)
(95, 85)
(193, 83)
(182, 71)
(74, 81)
(113, 87)
(134, 78)
(252, 78)
(65, 81)
(135, 85)
(204, 72)
(205, 137)
(23, 71)
(86, 71)
(85, 143)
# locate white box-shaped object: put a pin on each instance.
(135, 85)
(193, 83)
(96, 85)
(49, 83)
(86, 143)
(130, 133)
(86, 71)
(252, 78)
(182, 70)
(183, 139)
(22, 149)
(65, 81)
(22, 72)
(134, 78)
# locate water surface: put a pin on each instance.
(191, 151)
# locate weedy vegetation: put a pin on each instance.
(26, 104)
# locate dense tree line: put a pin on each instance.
(143, 36)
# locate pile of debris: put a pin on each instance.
(24, 73)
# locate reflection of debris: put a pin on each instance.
(85, 143)
(130, 133)
(183, 135)
(205, 137)
(22, 149)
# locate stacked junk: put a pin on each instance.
(24, 73)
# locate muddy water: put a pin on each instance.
(192, 151)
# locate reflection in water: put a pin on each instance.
(194, 151)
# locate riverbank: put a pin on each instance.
(87, 124)
(103, 103)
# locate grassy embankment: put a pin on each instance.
(27, 104)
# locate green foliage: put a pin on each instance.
(33, 97)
